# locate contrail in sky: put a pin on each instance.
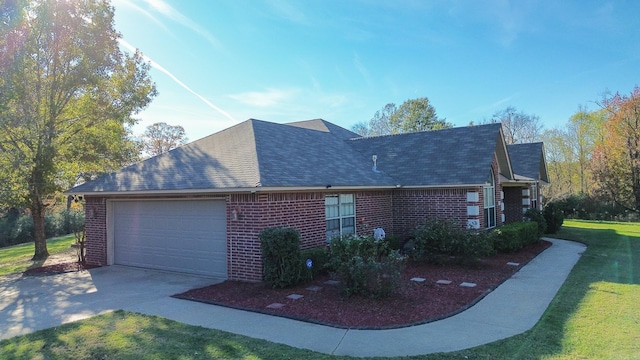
(169, 74)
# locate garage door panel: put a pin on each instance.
(186, 236)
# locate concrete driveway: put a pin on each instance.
(30, 303)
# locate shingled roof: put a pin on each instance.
(528, 160)
(312, 154)
(456, 156)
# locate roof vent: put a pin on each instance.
(375, 164)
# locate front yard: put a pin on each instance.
(594, 315)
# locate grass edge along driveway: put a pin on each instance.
(17, 258)
(594, 315)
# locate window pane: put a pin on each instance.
(331, 211)
(347, 209)
(489, 197)
(333, 225)
(346, 198)
(348, 225)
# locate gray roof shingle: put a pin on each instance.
(528, 160)
(312, 153)
(453, 156)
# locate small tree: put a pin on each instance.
(162, 137)
(67, 100)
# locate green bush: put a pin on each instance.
(513, 237)
(319, 261)
(281, 257)
(554, 217)
(366, 266)
(538, 217)
(17, 228)
(441, 239)
(394, 242)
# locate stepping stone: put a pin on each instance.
(513, 263)
(443, 282)
(332, 282)
(468, 284)
(295, 296)
(275, 306)
(418, 279)
(314, 288)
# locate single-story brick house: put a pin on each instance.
(199, 208)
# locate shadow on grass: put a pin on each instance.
(611, 257)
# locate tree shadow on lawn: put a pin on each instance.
(610, 257)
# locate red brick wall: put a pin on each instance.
(513, 204)
(412, 207)
(255, 212)
(302, 211)
(398, 212)
(376, 209)
(95, 212)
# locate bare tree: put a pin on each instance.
(162, 137)
(518, 127)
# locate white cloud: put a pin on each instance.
(268, 98)
(159, 67)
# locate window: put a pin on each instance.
(534, 196)
(340, 212)
(489, 192)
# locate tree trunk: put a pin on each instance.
(39, 237)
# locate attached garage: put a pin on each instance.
(186, 236)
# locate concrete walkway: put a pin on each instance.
(28, 304)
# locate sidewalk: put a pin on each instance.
(513, 308)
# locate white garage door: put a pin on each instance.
(177, 235)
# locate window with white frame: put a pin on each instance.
(489, 192)
(534, 196)
(340, 213)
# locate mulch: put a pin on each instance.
(60, 268)
(413, 303)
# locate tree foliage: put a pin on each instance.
(412, 116)
(569, 153)
(162, 137)
(616, 160)
(67, 97)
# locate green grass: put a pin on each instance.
(17, 258)
(594, 316)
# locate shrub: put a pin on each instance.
(554, 217)
(366, 266)
(436, 239)
(394, 242)
(513, 237)
(282, 261)
(319, 261)
(538, 217)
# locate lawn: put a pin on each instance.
(593, 316)
(17, 258)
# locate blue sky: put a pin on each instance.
(217, 63)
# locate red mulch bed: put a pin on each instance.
(414, 303)
(59, 269)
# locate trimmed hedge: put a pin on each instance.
(513, 237)
(281, 257)
(441, 239)
(538, 217)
